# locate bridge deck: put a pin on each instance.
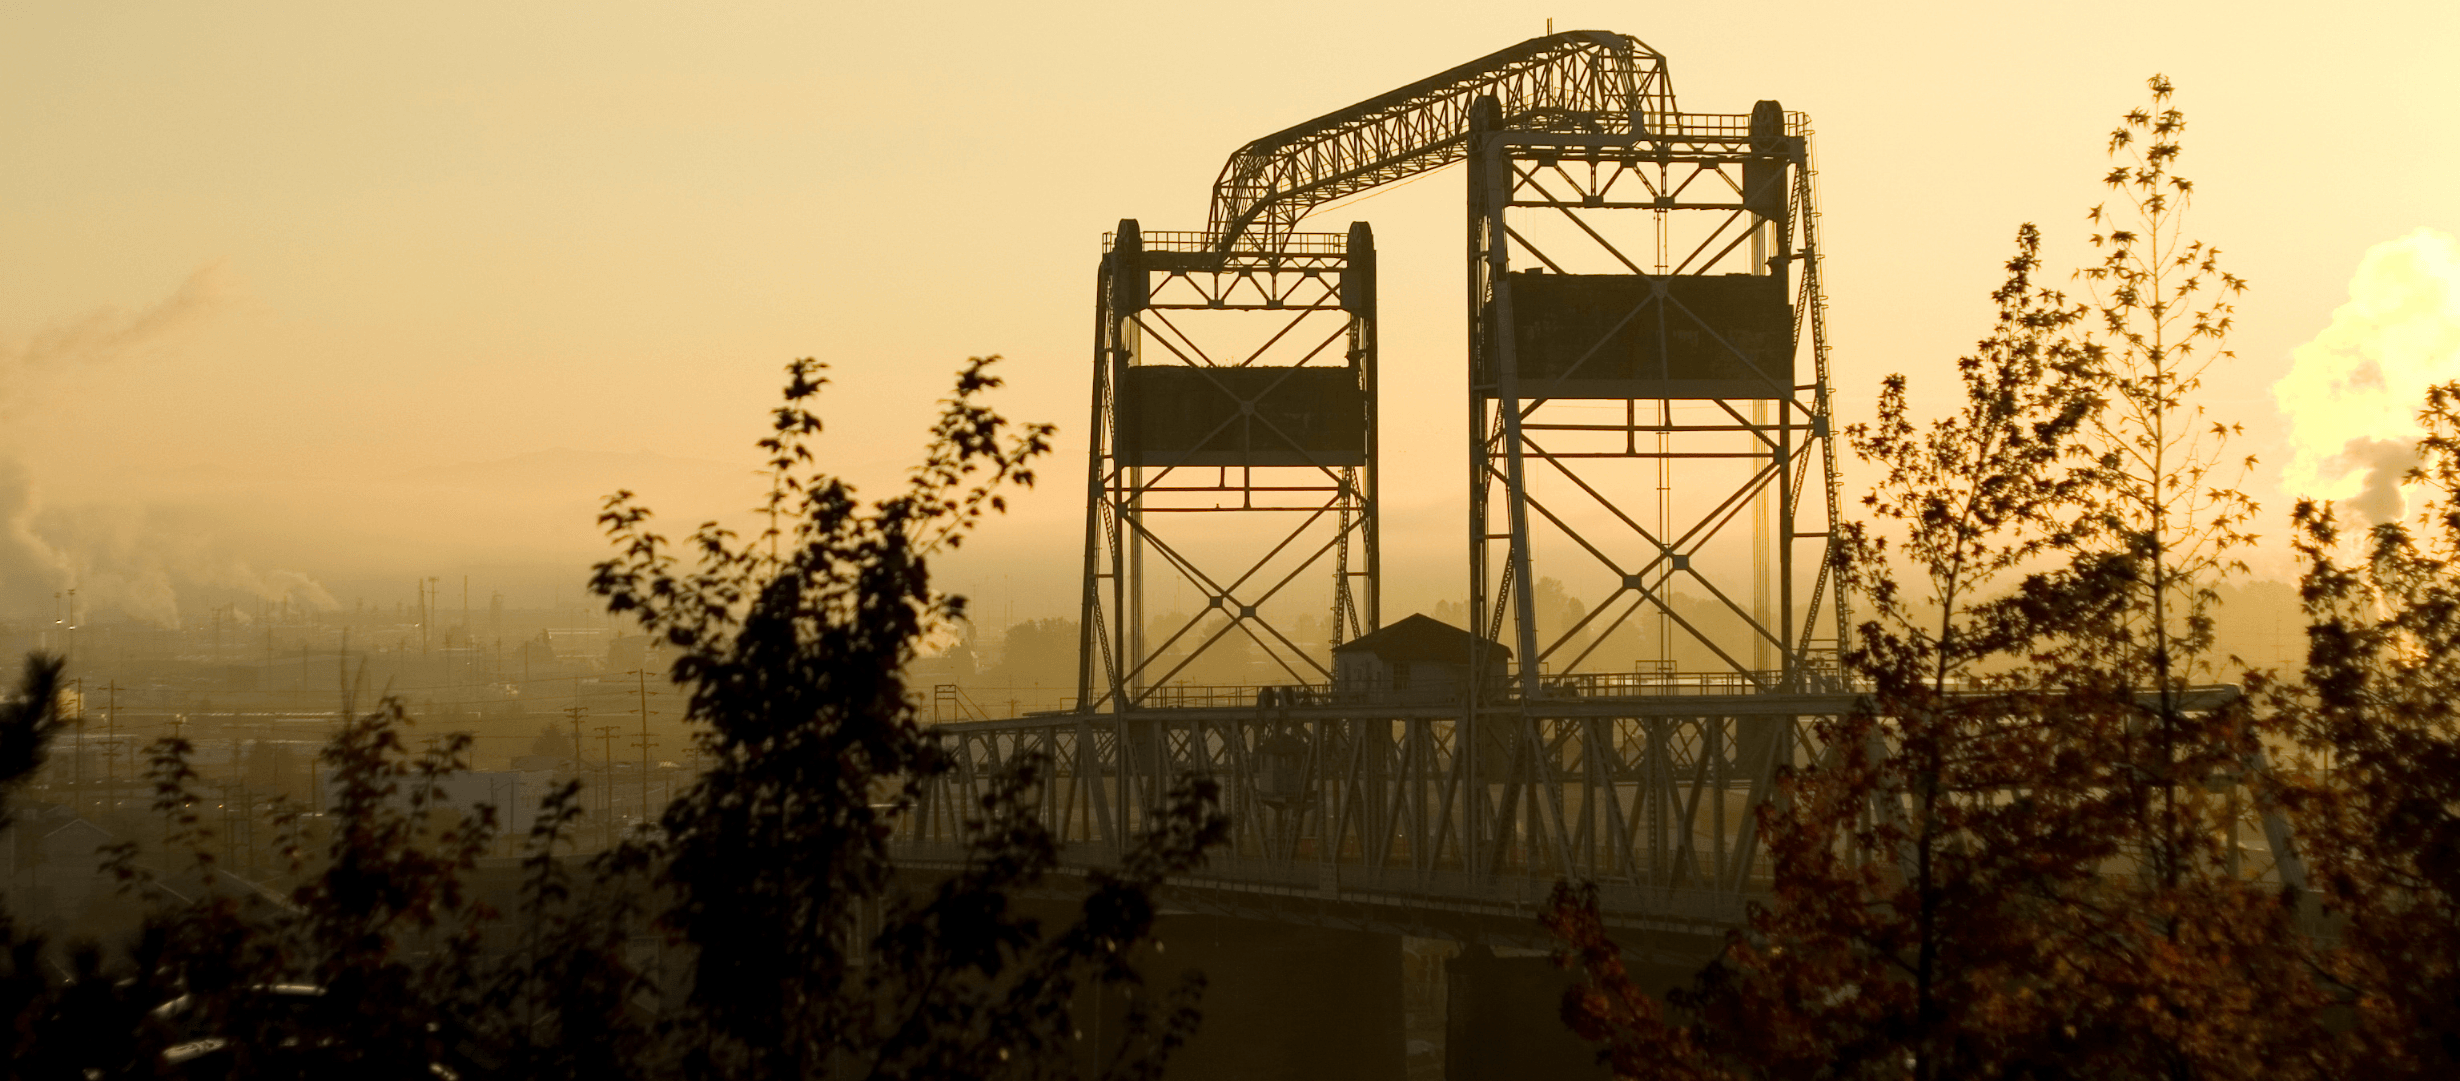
(1421, 818)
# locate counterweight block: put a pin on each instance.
(1625, 336)
(1171, 415)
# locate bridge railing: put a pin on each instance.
(1644, 681)
(1429, 803)
(1438, 890)
(1407, 802)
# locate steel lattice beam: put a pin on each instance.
(1582, 81)
(1375, 815)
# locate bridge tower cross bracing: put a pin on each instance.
(1234, 462)
(1649, 401)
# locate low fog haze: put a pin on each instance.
(308, 305)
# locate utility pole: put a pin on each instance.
(646, 741)
(76, 765)
(111, 746)
(341, 716)
(574, 714)
(606, 734)
(247, 817)
(495, 627)
(52, 777)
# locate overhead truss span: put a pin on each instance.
(1580, 82)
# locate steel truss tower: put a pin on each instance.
(1648, 401)
(1649, 422)
(1231, 488)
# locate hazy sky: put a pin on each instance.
(356, 293)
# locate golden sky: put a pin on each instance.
(365, 292)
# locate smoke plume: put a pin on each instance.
(2352, 393)
(31, 570)
(105, 334)
(126, 560)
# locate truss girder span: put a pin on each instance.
(1231, 516)
(1361, 804)
(1582, 81)
(1422, 817)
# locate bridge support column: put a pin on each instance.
(1424, 997)
(1286, 1002)
(1503, 1020)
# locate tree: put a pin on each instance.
(2194, 969)
(808, 953)
(1945, 903)
(2376, 780)
(1906, 883)
(791, 647)
(362, 969)
(29, 719)
(1037, 652)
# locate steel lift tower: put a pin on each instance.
(1647, 340)
(1233, 461)
(1649, 422)
(1648, 389)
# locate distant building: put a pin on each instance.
(1417, 660)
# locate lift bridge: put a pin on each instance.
(1648, 407)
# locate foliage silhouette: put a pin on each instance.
(804, 950)
(219, 984)
(2009, 863)
(2374, 788)
(791, 647)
